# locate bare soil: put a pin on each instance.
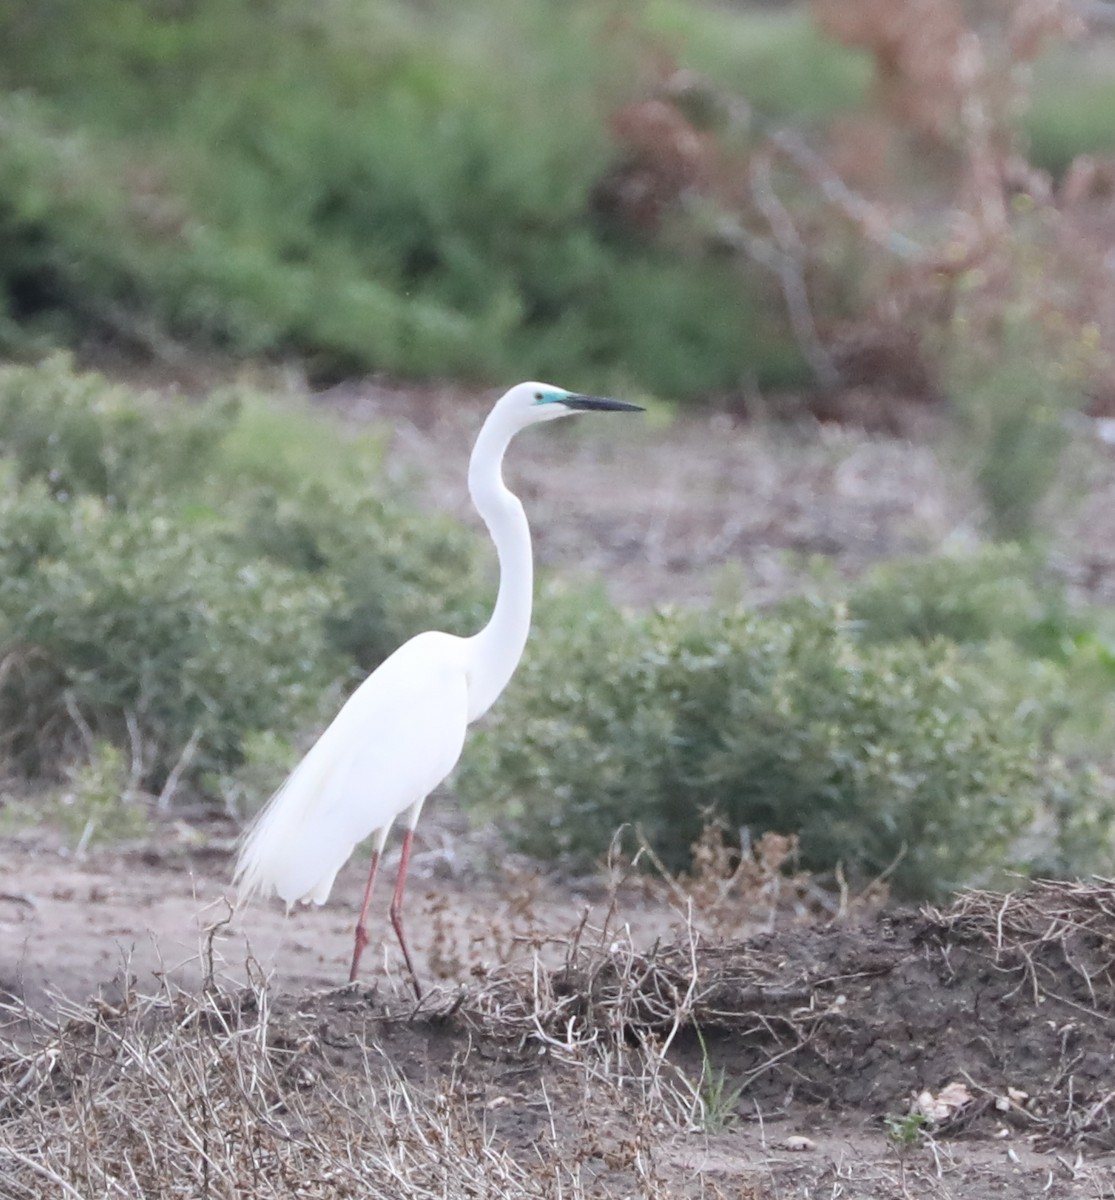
(607, 1036)
(665, 1053)
(710, 503)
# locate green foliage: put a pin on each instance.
(778, 59)
(63, 229)
(968, 599)
(904, 1130)
(719, 1101)
(1073, 109)
(99, 800)
(1013, 388)
(920, 757)
(353, 183)
(996, 605)
(134, 619)
(80, 435)
(266, 758)
(393, 572)
(182, 575)
(276, 443)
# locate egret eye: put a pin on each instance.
(539, 396)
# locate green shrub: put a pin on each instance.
(98, 801)
(970, 598)
(197, 572)
(1072, 109)
(304, 492)
(777, 58)
(873, 753)
(266, 483)
(393, 572)
(135, 619)
(63, 229)
(81, 435)
(1015, 377)
(353, 184)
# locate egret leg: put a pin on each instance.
(397, 908)
(361, 939)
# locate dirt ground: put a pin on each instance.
(607, 1036)
(754, 1047)
(716, 503)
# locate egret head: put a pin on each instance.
(528, 403)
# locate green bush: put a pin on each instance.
(305, 493)
(968, 599)
(1016, 376)
(98, 801)
(135, 619)
(354, 184)
(197, 572)
(776, 57)
(81, 435)
(393, 572)
(920, 754)
(64, 235)
(1072, 111)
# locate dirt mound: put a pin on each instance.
(1012, 995)
(595, 1078)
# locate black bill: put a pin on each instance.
(600, 404)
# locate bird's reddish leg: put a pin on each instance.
(361, 939)
(397, 907)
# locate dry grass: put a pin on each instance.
(614, 1014)
(606, 1076)
(212, 1095)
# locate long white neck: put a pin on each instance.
(497, 648)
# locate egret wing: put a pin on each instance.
(396, 738)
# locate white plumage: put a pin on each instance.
(401, 732)
(398, 736)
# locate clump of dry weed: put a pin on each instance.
(738, 887)
(215, 1095)
(615, 1014)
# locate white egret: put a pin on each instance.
(401, 732)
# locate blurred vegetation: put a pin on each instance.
(914, 739)
(776, 57)
(157, 590)
(969, 600)
(354, 184)
(1020, 371)
(1072, 108)
(191, 590)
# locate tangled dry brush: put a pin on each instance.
(569, 1081)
